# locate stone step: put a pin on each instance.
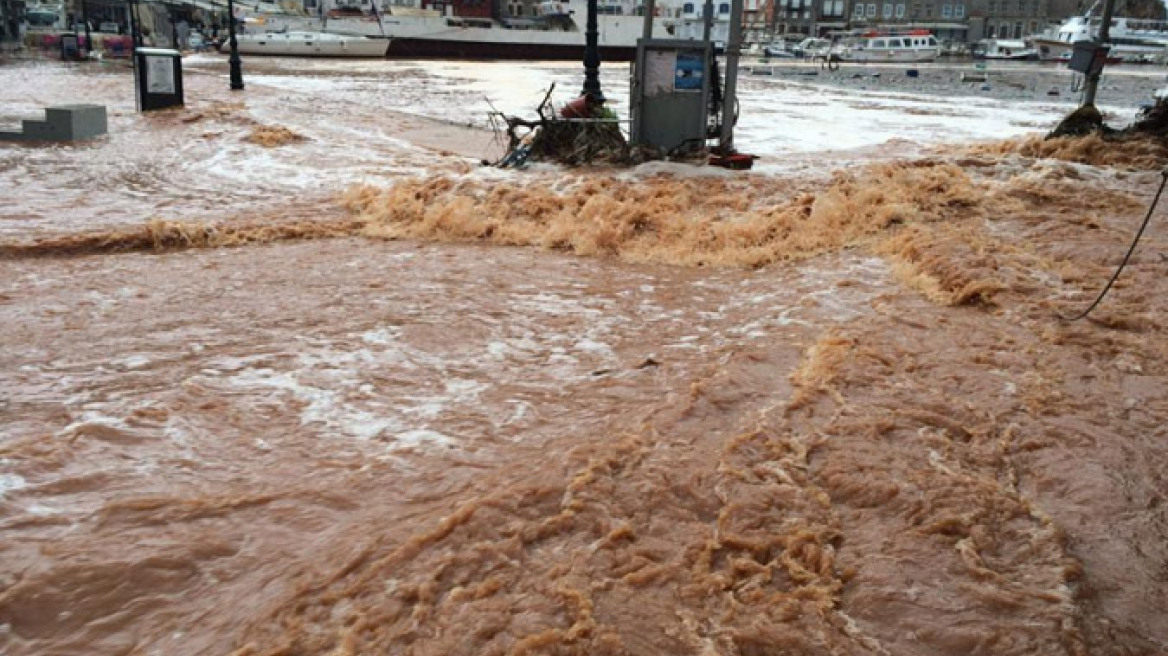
(63, 123)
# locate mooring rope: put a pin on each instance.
(1130, 250)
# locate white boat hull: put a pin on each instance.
(1051, 50)
(432, 35)
(889, 56)
(307, 44)
(1130, 39)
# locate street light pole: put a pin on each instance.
(88, 37)
(135, 26)
(233, 58)
(591, 52)
(730, 88)
(1104, 34)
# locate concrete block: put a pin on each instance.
(79, 121)
(63, 123)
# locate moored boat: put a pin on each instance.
(871, 47)
(1011, 49)
(468, 30)
(310, 44)
(1130, 39)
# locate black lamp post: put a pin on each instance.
(88, 37)
(591, 52)
(233, 59)
(135, 27)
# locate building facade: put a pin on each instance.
(957, 21)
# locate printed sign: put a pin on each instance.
(659, 71)
(159, 75)
(688, 72)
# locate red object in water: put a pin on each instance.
(578, 108)
(736, 162)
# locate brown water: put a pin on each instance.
(593, 413)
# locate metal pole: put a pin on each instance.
(1104, 34)
(88, 37)
(707, 20)
(591, 52)
(134, 55)
(729, 97)
(233, 59)
(135, 32)
(650, 7)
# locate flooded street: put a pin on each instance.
(341, 390)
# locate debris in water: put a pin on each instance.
(271, 136)
(585, 132)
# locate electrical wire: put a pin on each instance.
(1130, 250)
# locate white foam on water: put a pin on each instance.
(324, 406)
(382, 336)
(11, 483)
(423, 436)
(133, 361)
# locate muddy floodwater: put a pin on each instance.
(287, 372)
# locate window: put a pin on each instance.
(895, 43)
(946, 11)
(992, 6)
(687, 8)
(959, 11)
(900, 11)
(990, 30)
(859, 11)
(1018, 30)
(871, 11)
(1033, 27)
(886, 11)
(928, 11)
(1021, 7)
(724, 8)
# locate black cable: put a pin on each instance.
(1130, 250)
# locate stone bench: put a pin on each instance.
(63, 123)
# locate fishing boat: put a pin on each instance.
(467, 29)
(310, 44)
(871, 47)
(1130, 39)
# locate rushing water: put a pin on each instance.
(349, 393)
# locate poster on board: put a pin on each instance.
(688, 71)
(160, 75)
(659, 71)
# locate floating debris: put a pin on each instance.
(272, 136)
(584, 132)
